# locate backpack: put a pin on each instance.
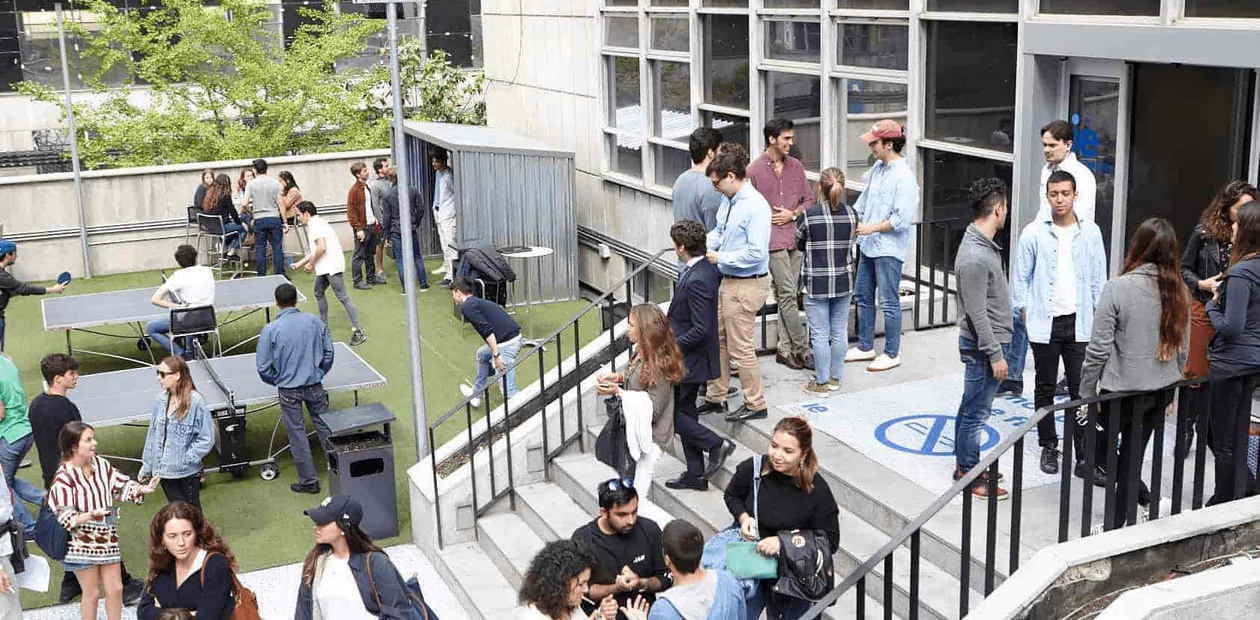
(805, 565)
(246, 601)
(610, 446)
(420, 610)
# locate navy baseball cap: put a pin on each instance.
(336, 507)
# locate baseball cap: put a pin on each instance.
(7, 247)
(882, 130)
(336, 507)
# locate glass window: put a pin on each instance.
(867, 102)
(726, 60)
(733, 128)
(792, 4)
(673, 99)
(734, 4)
(1222, 8)
(891, 5)
(670, 33)
(670, 3)
(874, 44)
(626, 109)
(1101, 7)
(964, 105)
(621, 31)
(979, 6)
(799, 98)
(793, 40)
(626, 154)
(670, 162)
(947, 180)
(621, 2)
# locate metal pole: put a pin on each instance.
(74, 144)
(408, 248)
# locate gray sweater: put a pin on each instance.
(984, 297)
(1122, 350)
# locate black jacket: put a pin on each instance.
(390, 587)
(1201, 259)
(488, 264)
(226, 210)
(391, 216)
(10, 286)
(1236, 317)
(211, 601)
(693, 316)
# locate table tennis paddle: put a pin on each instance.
(63, 278)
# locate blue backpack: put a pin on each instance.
(50, 536)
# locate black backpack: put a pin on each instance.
(805, 565)
(610, 446)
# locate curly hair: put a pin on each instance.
(161, 560)
(1215, 219)
(547, 581)
(657, 347)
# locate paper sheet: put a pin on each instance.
(36, 576)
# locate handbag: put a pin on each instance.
(50, 536)
(610, 446)
(420, 610)
(246, 601)
(742, 559)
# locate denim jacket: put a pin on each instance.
(174, 447)
(1037, 265)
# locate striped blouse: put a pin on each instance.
(76, 491)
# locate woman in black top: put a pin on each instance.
(207, 179)
(793, 495)
(219, 202)
(190, 567)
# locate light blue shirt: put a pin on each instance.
(1037, 265)
(892, 193)
(295, 350)
(742, 235)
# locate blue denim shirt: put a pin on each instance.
(892, 193)
(174, 447)
(1036, 266)
(295, 350)
(742, 235)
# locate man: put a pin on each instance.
(1056, 143)
(502, 335)
(696, 592)
(627, 548)
(377, 187)
(781, 180)
(693, 315)
(362, 216)
(694, 196)
(191, 285)
(295, 351)
(1060, 270)
(444, 213)
(48, 412)
(391, 224)
(329, 263)
(262, 199)
(740, 247)
(984, 324)
(885, 210)
(10, 286)
(16, 440)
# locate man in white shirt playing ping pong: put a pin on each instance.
(328, 261)
(192, 285)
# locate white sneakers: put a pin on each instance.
(439, 271)
(855, 354)
(467, 391)
(877, 364)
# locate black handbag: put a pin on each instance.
(806, 568)
(610, 446)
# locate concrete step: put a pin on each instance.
(510, 542)
(549, 511)
(476, 581)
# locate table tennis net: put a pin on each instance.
(200, 354)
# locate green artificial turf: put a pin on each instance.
(262, 521)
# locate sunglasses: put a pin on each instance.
(619, 485)
(165, 373)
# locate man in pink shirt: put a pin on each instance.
(780, 178)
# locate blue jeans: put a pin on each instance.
(1019, 351)
(316, 401)
(829, 334)
(159, 330)
(11, 455)
(979, 388)
(269, 231)
(485, 366)
(234, 242)
(395, 242)
(878, 275)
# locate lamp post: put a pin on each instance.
(74, 144)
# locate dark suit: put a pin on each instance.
(694, 318)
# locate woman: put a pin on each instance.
(656, 368)
(181, 433)
(824, 236)
(793, 495)
(556, 582)
(1235, 315)
(207, 179)
(290, 196)
(1139, 344)
(238, 197)
(346, 576)
(218, 202)
(83, 495)
(190, 567)
(1205, 259)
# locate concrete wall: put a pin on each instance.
(135, 216)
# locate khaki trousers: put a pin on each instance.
(738, 303)
(785, 273)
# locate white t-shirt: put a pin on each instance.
(193, 286)
(337, 594)
(334, 259)
(367, 203)
(1063, 300)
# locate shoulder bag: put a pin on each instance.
(420, 610)
(246, 601)
(742, 559)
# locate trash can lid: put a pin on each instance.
(346, 421)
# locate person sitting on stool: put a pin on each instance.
(502, 335)
(192, 285)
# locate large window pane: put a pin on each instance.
(1222, 8)
(670, 162)
(621, 31)
(799, 98)
(966, 105)
(733, 128)
(621, 2)
(669, 3)
(868, 102)
(792, 4)
(874, 44)
(626, 155)
(1101, 7)
(793, 40)
(673, 99)
(892, 5)
(740, 4)
(947, 179)
(979, 6)
(726, 60)
(626, 110)
(670, 33)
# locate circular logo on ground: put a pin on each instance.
(927, 435)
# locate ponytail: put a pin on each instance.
(831, 188)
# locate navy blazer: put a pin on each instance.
(693, 315)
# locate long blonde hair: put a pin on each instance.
(831, 188)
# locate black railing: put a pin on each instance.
(926, 235)
(1119, 511)
(565, 380)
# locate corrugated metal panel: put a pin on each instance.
(478, 138)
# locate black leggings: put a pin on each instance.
(1230, 414)
(187, 489)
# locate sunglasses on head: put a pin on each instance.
(166, 373)
(619, 485)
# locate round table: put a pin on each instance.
(534, 253)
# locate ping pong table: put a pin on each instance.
(70, 313)
(230, 386)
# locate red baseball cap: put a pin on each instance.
(883, 130)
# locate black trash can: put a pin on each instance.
(233, 448)
(361, 465)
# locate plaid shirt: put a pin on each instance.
(827, 240)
